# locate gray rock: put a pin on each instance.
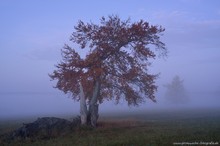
(43, 128)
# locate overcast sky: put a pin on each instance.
(32, 32)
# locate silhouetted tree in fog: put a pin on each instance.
(115, 67)
(176, 92)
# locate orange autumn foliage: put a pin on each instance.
(118, 57)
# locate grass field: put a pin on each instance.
(151, 128)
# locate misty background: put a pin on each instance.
(32, 34)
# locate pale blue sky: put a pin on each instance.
(32, 32)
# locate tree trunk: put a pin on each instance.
(93, 106)
(83, 107)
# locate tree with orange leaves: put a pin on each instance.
(115, 67)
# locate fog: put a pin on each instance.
(23, 105)
(32, 34)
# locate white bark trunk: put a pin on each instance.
(83, 107)
(93, 107)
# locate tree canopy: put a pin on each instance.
(117, 60)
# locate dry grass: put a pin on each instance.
(118, 123)
(128, 130)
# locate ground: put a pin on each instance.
(144, 128)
